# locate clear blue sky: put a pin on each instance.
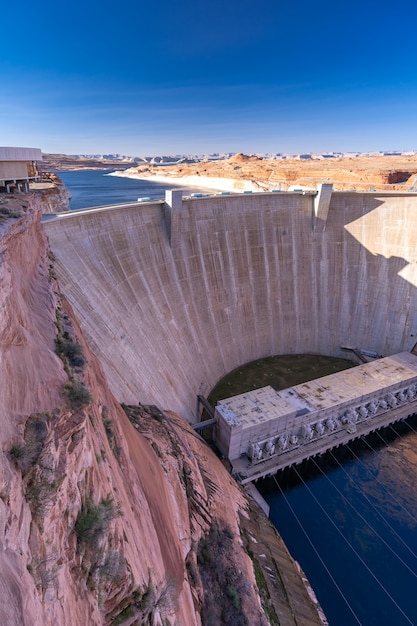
(193, 76)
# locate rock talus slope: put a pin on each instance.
(112, 516)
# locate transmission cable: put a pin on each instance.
(354, 550)
(373, 505)
(381, 438)
(378, 481)
(330, 575)
(376, 533)
(409, 426)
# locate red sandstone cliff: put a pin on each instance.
(110, 516)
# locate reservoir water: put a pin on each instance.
(94, 188)
(350, 520)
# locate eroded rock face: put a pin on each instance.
(55, 195)
(109, 516)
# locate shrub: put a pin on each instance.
(17, 453)
(114, 567)
(94, 519)
(223, 584)
(111, 435)
(263, 591)
(68, 349)
(36, 431)
(77, 394)
(33, 459)
(125, 615)
(9, 213)
(39, 494)
(108, 425)
(141, 606)
(234, 596)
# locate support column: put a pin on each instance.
(171, 213)
(322, 204)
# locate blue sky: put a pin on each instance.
(195, 76)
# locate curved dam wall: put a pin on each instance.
(170, 303)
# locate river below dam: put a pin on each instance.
(350, 519)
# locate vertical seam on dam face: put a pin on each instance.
(239, 278)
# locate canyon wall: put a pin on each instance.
(172, 305)
(111, 516)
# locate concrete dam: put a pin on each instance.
(173, 296)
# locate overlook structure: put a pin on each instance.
(174, 295)
(18, 168)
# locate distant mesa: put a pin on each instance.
(347, 172)
(240, 157)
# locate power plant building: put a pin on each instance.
(315, 416)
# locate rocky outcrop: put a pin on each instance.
(112, 516)
(55, 196)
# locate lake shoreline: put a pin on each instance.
(208, 182)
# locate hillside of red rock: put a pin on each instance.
(112, 516)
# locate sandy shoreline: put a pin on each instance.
(208, 182)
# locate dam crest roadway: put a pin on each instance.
(173, 295)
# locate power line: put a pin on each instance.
(407, 424)
(392, 496)
(355, 551)
(376, 533)
(383, 518)
(317, 554)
